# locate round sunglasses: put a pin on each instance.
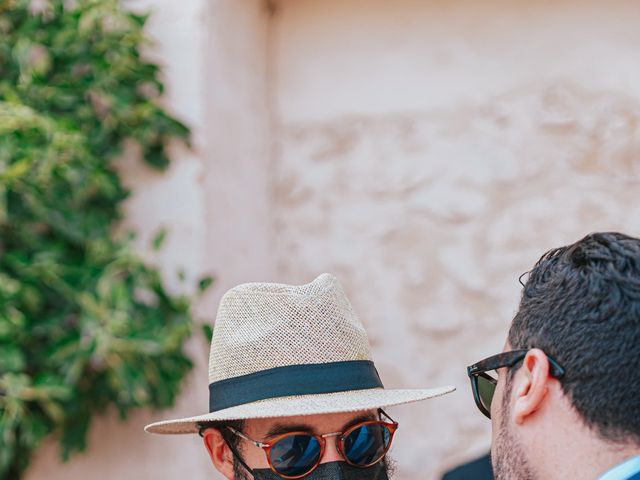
(295, 455)
(484, 378)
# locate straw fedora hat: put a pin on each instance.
(282, 350)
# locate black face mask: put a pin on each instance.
(332, 471)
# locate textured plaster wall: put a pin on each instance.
(429, 153)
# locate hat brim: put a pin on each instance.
(340, 402)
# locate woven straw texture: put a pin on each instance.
(266, 325)
(352, 401)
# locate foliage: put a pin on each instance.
(84, 324)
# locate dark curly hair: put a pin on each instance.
(581, 305)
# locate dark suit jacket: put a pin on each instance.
(479, 469)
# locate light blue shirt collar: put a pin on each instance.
(623, 471)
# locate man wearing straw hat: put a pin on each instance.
(293, 391)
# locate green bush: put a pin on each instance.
(84, 324)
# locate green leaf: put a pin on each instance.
(159, 238)
(207, 331)
(12, 359)
(205, 283)
(85, 325)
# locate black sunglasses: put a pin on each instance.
(483, 384)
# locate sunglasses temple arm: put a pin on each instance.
(244, 437)
(387, 415)
(556, 369)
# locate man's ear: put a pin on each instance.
(530, 385)
(219, 452)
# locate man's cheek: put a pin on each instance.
(496, 404)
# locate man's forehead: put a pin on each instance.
(317, 424)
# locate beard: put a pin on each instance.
(239, 472)
(507, 455)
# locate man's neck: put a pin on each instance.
(562, 446)
(584, 457)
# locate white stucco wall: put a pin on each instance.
(426, 152)
(429, 153)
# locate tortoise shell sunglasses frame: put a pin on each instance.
(391, 426)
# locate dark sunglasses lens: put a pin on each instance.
(295, 455)
(367, 444)
(486, 389)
